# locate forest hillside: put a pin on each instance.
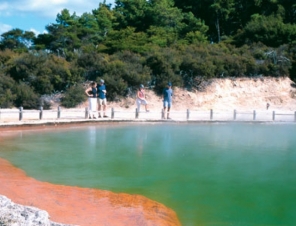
(192, 44)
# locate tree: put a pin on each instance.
(17, 40)
(269, 30)
(126, 39)
(65, 19)
(63, 36)
(222, 10)
(7, 95)
(132, 14)
(194, 30)
(105, 19)
(88, 29)
(163, 14)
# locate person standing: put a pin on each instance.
(167, 99)
(141, 98)
(91, 92)
(102, 101)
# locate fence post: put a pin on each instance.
(86, 112)
(254, 115)
(21, 114)
(188, 114)
(112, 113)
(273, 115)
(59, 112)
(211, 114)
(295, 116)
(234, 114)
(40, 113)
(137, 113)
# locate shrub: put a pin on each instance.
(7, 96)
(73, 96)
(26, 97)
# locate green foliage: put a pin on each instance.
(105, 18)
(92, 65)
(195, 38)
(5, 58)
(65, 19)
(115, 85)
(7, 95)
(292, 54)
(45, 73)
(73, 96)
(17, 40)
(159, 36)
(132, 68)
(26, 97)
(126, 39)
(165, 66)
(148, 42)
(269, 30)
(132, 14)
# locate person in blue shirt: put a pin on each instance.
(167, 99)
(102, 101)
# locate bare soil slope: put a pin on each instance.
(227, 94)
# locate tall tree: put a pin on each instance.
(88, 29)
(165, 15)
(105, 19)
(17, 40)
(222, 12)
(66, 19)
(132, 14)
(63, 36)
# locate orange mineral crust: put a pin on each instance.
(82, 206)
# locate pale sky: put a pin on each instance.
(34, 15)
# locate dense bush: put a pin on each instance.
(26, 97)
(7, 94)
(73, 96)
(46, 73)
(165, 65)
(271, 31)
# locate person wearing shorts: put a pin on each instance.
(141, 99)
(102, 101)
(167, 100)
(91, 92)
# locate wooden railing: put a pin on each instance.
(186, 115)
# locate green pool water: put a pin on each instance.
(210, 174)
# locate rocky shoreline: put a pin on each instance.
(15, 214)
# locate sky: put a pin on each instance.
(34, 15)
